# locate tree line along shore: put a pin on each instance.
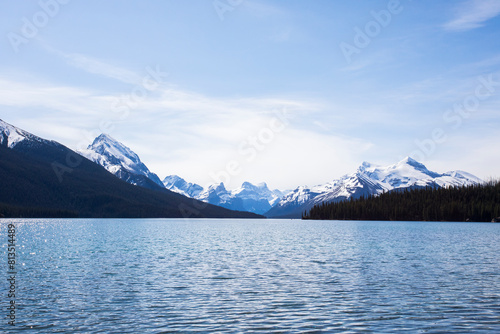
(477, 203)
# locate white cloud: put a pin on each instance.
(293, 157)
(189, 134)
(95, 66)
(476, 154)
(473, 14)
(177, 131)
(42, 95)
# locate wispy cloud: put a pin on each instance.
(211, 129)
(473, 14)
(18, 94)
(95, 66)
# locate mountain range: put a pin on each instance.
(254, 198)
(121, 161)
(42, 178)
(368, 179)
(117, 159)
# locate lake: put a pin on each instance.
(261, 276)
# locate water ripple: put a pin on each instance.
(272, 276)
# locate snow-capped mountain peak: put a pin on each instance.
(11, 136)
(107, 146)
(247, 187)
(257, 192)
(365, 165)
(215, 194)
(119, 160)
(409, 163)
(248, 197)
(179, 185)
(370, 179)
(407, 172)
(219, 188)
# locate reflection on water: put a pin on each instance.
(160, 276)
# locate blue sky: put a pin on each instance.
(287, 92)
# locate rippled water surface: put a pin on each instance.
(161, 276)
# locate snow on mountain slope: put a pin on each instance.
(179, 185)
(248, 197)
(457, 178)
(299, 196)
(253, 198)
(257, 192)
(215, 193)
(369, 179)
(119, 160)
(125, 164)
(11, 136)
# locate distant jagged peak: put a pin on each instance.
(106, 139)
(176, 181)
(217, 187)
(407, 161)
(181, 186)
(107, 145)
(412, 162)
(117, 158)
(103, 139)
(172, 179)
(366, 164)
(254, 187)
(247, 185)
